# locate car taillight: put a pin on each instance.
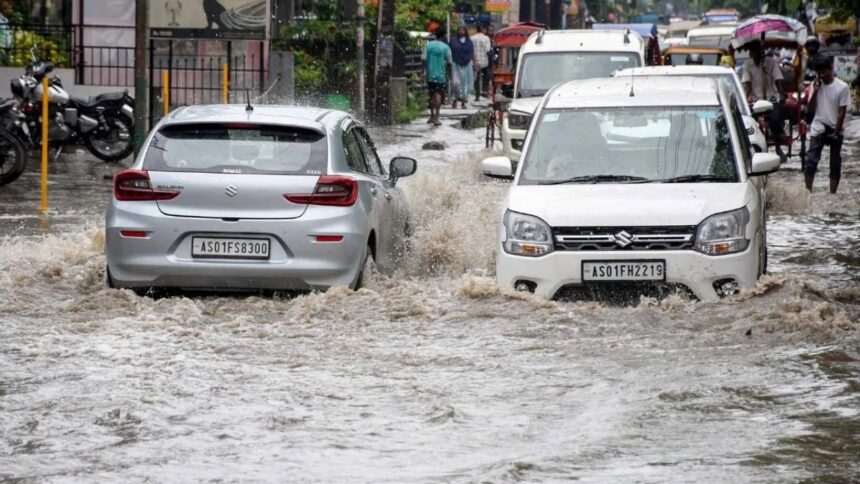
(339, 191)
(134, 185)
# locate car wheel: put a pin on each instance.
(109, 284)
(369, 264)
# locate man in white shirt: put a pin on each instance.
(762, 79)
(482, 48)
(829, 102)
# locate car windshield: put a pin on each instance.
(541, 71)
(237, 148)
(630, 145)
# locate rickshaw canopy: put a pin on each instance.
(516, 35)
(826, 24)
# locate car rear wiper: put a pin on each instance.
(695, 178)
(595, 179)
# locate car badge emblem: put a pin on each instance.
(623, 239)
(231, 190)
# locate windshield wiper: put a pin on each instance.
(695, 178)
(595, 179)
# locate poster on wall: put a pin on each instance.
(208, 19)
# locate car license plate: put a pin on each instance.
(230, 248)
(621, 270)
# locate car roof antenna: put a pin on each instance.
(632, 81)
(248, 108)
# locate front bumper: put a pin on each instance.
(696, 271)
(297, 261)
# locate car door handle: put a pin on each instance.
(373, 191)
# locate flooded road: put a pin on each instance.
(435, 373)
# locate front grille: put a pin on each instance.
(622, 293)
(517, 144)
(623, 238)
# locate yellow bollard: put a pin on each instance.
(165, 92)
(46, 95)
(225, 82)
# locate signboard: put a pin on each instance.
(208, 19)
(497, 5)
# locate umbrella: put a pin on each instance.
(761, 27)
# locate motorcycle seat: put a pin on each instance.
(101, 98)
(7, 104)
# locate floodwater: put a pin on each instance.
(435, 373)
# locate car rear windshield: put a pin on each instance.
(237, 148)
(541, 71)
(641, 144)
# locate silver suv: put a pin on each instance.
(277, 197)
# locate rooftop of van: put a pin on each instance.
(674, 71)
(582, 40)
(615, 92)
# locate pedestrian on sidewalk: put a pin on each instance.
(483, 48)
(829, 102)
(437, 57)
(463, 52)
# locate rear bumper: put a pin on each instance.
(297, 261)
(696, 271)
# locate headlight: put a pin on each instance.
(519, 120)
(526, 235)
(723, 233)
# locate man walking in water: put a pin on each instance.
(829, 102)
(437, 57)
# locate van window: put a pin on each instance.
(647, 144)
(237, 148)
(543, 70)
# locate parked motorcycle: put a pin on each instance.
(14, 138)
(103, 123)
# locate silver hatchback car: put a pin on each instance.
(277, 197)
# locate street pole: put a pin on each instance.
(532, 10)
(359, 52)
(141, 31)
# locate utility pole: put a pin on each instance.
(141, 34)
(359, 52)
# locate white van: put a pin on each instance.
(636, 186)
(551, 57)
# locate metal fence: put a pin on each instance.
(198, 80)
(51, 42)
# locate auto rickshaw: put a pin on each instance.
(508, 42)
(677, 55)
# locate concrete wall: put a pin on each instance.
(68, 77)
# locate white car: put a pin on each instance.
(647, 186)
(554, 56)
(726, 76)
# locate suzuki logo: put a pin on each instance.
(623, 239)
(231, 190)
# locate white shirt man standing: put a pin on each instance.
(829, 102)
(483, 46)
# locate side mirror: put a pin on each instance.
(762, 107)
(508, 90)
(402, 166)
(497, 166)
(764, 164)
